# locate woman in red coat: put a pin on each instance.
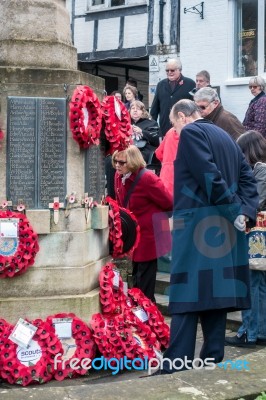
(144, 193)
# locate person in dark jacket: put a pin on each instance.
(145, 131)
(168, 91)
(253, 328)
(208, 101)
(214, 193)
(148, 200)
(255, 118)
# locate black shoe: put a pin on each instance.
(239, 341)
(261, 342)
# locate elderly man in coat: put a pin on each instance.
(214, 195)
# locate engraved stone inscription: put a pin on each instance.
(94, 173)
(36, 141)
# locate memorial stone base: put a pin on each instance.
(64, 277)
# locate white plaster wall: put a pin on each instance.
(135, 30)
(206, 44)
(108, 34)
(83, 35)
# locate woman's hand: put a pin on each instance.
(137, 132)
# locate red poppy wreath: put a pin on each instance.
(122, 241)
(112, 298)
(155, 319)
(17, 254)
(85, 117)
(117, 123)
(23, 366)
(79, 346)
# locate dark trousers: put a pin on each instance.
(144, 277)
(183, 334)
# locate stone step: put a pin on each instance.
(162, 283)
(162, 302)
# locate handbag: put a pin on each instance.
(256, 238)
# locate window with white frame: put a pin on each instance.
(249, 37)
(102, 4)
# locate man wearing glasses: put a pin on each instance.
(210, 107)
(168, 91)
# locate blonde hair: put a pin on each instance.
(140, 106)
(133, 156)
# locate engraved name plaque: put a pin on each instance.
(94, 172)
(36, 148)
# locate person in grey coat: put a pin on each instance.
(214, 194)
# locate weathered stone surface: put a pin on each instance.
(37, 34)
(39, 220)
(99, 217)
(84, 306)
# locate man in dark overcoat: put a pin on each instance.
(214, 195)
(168, 91)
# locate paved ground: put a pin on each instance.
(216, 384)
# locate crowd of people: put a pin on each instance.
(212, 184)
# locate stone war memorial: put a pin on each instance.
(44, 170)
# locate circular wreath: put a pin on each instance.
(155, 319)
(117, 123)
(82, 342)
(122, 241)
(113, 300)
(17, 254)
(117, 338)
(85, 117)
(43, 347)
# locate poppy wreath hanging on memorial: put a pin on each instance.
(85, 117)
(17, 254)
(23, 366)
(117, 123)
(79, 346)
(124, 231)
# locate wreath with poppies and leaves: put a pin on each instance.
(43, 347)
(80, 346)
(115, 229)
(117, 120)
(85, 117)
(17, 254)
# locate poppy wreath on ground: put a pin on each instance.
(117, 338)
(85, 117)
(33, 364)
(81, 345)
(124, 231)
(17, 254)
(155, 319)
(113, 299)
(117, 123)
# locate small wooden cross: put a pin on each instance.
(87, 201)
(21, 206)
(6, 204)
(56, 205)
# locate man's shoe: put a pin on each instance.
(239, 341)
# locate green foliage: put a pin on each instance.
(262, 396)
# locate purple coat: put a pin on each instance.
(255, 117)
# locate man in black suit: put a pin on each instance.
(168, 91)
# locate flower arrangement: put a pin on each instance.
(34, 364)
(85, 117)
(17, 254)
(115, 229)
(81, 345)
(117, 123)
(112, 298)
(155, 318)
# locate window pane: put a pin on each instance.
(246, 49)
(117, 3)
(97, 2)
